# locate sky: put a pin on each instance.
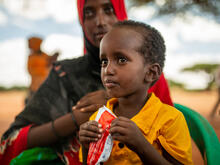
(195, 40)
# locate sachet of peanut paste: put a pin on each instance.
(100, 151)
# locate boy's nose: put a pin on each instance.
(109, 70)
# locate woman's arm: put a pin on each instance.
(64, 126)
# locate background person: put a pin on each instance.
(38, 64)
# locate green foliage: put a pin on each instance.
(173, 83)
(180, 7)
(208, 69)
(15, 88)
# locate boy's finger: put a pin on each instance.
(119, 137)
(88, 139)
(120, 123)
(89, 134)
(91, 126)
(122, 118)
(115, 131)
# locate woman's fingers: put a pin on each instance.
(92, 101)
(91, 108)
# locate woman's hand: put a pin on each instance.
(90, 132)
(127, 132)
(92, 101)
(88, 104)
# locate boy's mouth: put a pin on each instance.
(110, 84)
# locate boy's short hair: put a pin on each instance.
(153, 47)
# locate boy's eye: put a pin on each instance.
(122, 60)
(104, 62)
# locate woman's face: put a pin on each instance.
(99, 17)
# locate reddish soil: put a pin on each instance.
(11, 103)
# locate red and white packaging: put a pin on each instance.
(100, 151)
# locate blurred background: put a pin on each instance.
(191, 30)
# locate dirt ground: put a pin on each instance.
(11, 103)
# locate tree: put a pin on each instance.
(208, 69)
(181, 7)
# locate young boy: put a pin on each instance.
(146, 131)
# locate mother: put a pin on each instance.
(48, 119)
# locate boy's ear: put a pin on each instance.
(153, 73)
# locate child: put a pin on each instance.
(146, 131)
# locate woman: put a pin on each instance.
(48, 118)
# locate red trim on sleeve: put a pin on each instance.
(13, 146)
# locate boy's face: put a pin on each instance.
(123, 67)
(99, 17)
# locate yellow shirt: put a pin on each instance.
(163, 126)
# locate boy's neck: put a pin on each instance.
(129, 107)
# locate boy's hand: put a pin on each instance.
(92, 101)
(90, 132)
(127, 132)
